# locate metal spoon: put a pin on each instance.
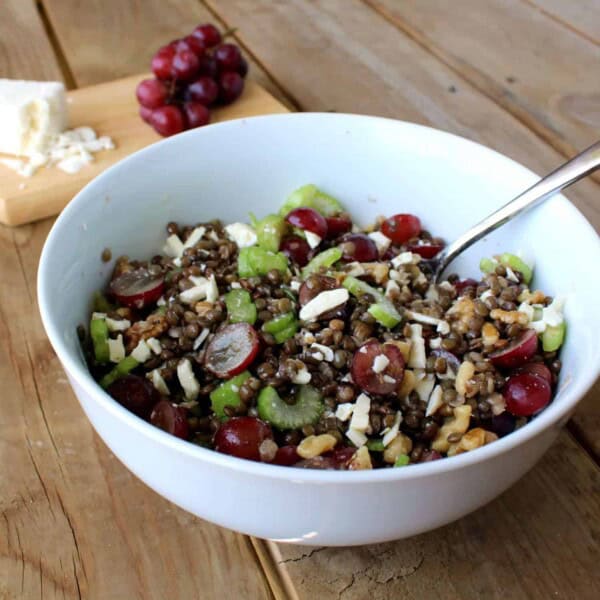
(572, 171)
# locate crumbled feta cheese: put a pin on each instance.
(323, 302)
(235, 285)
(432, 293)
(158, 381)
(154, 345)
(405, 258)
(117, 324)
(187, 379)
(141, 352)
(428, 320)
(193, 294)
(344, 411)
(212, 290)
(435, 401)
(435, 343)
(355, 269)
(527, 309)
(388, 379)
(177, 262)
(391, 289)
(173, 246)
(511, 276)
(240, 233)
(358, 438)
(203, 288)
(308, 338)
(317, 356)
(302, 377)
(312, 238)
(194, 237)
(381, 241)
(161, 301)
(446, 285)
(424, 387)
(295, 285)
(392, 432)
(380, 362)
(325, 351)
(347, 378)
(552, 314)
(360, 414)
(417, 358)
(538, 326)
(116, 349)
(213, 235)
(200, 339)
(486, 295)
(98, 316)
(443, 327)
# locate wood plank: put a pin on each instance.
(531, 65)
(582, 16)
(381, 71)
(538, 540)
(136, 29)
(110, 109)
(21, 28)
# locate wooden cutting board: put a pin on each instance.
(110, 109)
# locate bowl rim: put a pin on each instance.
(549, 417)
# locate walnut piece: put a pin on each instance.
(489, 334)
(401, 444)
(475, 438)
(154, 326)
(361, 460)
(458, 424)
(464, 374)
(509, 316)
(315, 445)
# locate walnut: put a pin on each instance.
(464, 374)
(537, 297)
(361, 460)
(401, 444)
(475, 438)
(154, 326)
(489, 334)
(409, 381)
(458, 424)
(315, 445)
(202, 308)
(509, 316)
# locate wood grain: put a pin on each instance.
(381, 71)
(582, 16)
(137, 29)
(110, 109)
(506, 50)
(538, 540)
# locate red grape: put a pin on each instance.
(135, 393)
(536, 368)
(171, 418)
(146, 113)
(243, 67)
(286, 456)
(231, 86)
(401, 228)
(208, 66)
(162, 62)
(232, 350)
(196, 114)
(359, 247)
(185, 65)
(167, 120)
(342, 456)
(338, 225)
(191, 43)
(366, 378)
(204, 90)
(152, 93)
(228, 57)
(518, 352)
(429, 455)
(138, 288)
(503, 424)
(308, 219)
(242, 437)
(296, 249)
(463, 284)
(426, 251)
(526, 394)
(208, 34)
(314, 285)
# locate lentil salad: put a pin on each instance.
(301, 339)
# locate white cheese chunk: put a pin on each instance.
(435, 343)
(31, 113)
(380, 362)
(235, 285)
(527, 309)
(486, 295)
(158, 381)
(187, 379)
(116, 349)
(173, 246)
(552, 314)
(392, 289)
(511, 276)
(435, 401)
(312, 238)
(405, 258)
(154, 345)
(240, 233)
(141, 352)
(358, 438)
(194, 237)
(392, 433)
(117, 324)
(193, 294)
(200, 339)
(381, 241)
(344, 411)
(302, 377)
(295, 285)
(323, 302)
(212, 290)
(360, 414)
(417, 358)
(325, 351)
(424, 387)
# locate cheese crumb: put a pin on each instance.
(141, 352)
(406, 258)
(117, 324)
(360, 415)
(194, 237)
(325, 351)
(242, 234)
(380, 363)
(200, 339)
(173, 246)
(154, 345)
(302, 377)
(116, 349)
(323, 302)
(381, 241)
(187, 379)
(344, 411)
(392, 432)
(358, 438)
(158, 381)
(312, 238)
(435, 401)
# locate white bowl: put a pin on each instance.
(375, 166)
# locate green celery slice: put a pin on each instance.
(120, 370)
(269, 232)
(240, 308)
(553, 337)
(279, 323)
(488, 265)
(312, 197)
(325, 259)
(287, 333)
(516, 264)
(305, 411)
(385, 313)
(375, 445)
(227, 394)
(256, 261)
(99, 335)
(402, 460)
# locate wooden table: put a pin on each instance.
(520, 76)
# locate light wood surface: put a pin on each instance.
(76, 524)
(110, 109)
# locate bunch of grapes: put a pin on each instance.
(192, 75)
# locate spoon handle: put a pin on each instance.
(570, 172)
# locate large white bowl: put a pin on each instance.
(375, 166)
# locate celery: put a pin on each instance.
(385, 313)
(256, 261)
(101, 304)
(516, 264)
(228, 394)
(375, 445)
(120, 370)
(312, 197)
(324, 259)
(240, 308)
(269, 232)
(553, 337)
(402, 460)
(279, 323)
(306, 410)
(99, 335)
(488, 265)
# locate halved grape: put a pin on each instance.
(286, 456)
(536, 368)
(296, 249)
(242, 437)
(364, 374)
(138, 288)
(308, 219)
(359, 247)
(338, 225)
(526, 394)
(426, 251)
(135, 393)
(401, 228)
(171, 418)
(518, 352)
(232, 350)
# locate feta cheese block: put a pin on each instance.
(31, 114)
